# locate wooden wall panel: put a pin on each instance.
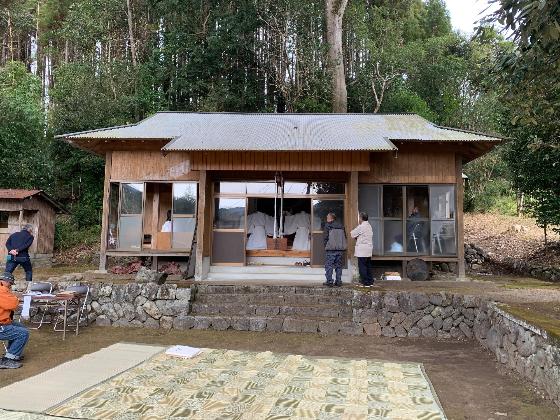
(281, 161)
(411, 168)
(152, 166)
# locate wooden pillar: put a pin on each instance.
(20, 219)
(105, 215)
(352, 215)
(200, 227)
(459, 212)
(155, 217)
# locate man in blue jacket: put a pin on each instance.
(18, 251)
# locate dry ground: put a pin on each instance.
(469, 383)
(493, 233)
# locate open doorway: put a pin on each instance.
(278, 231)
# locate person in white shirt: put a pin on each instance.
(363, 250)
(167, 225)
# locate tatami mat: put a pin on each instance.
(40, 392)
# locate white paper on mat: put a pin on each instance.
(26, 307)
(183, 351)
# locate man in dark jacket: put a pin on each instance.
(335, 245)
(18, 251)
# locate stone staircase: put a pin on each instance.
(309, 309)
(276, 273)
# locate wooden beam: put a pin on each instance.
(352, 214)
(460, 226)
(200, 228)
(105, 215)
(155, 216)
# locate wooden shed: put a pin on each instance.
(245, 195)
(18, 207)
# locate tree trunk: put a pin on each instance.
(131, 33)
(520, 203)
(334, 12)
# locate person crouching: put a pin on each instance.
(13, 332)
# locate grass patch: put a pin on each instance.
(541, 317)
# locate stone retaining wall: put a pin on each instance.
(516, 344)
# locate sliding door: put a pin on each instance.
(228, 238)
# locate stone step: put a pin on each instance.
(237, 309)
(276, 324)
(274, 299)
(269, 269)
(228, 289)
(271, 272)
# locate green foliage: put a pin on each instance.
(68, 234)
(528, 78)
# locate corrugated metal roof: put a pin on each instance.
(282, 132)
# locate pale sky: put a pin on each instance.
(465, 13)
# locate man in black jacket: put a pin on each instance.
(335, 244)
(18, 251)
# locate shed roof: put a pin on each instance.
(281, 132)
(21, 194)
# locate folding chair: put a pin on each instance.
(75, 308)
(42, 307)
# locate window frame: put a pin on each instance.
(5, 229)
(405, 218)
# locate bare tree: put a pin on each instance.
(380, 83)
(334, 12)
(131, 32)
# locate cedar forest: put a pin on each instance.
(73, 65)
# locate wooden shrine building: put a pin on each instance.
(251, 191)
(18, 207)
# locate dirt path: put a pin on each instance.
(467, 380)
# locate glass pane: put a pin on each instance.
(368, 199)
(183, 232)
(261, 187)
(113, 216)
(184, 198)
(393, 237)
(305, 188)
(230, 187)
(417, 202)
(4, 219)
(417, 236)
(230, 213)
(444, 238)
(130, 232)
(376, 226)
(131, 199)
(323, 207)
(442, 202)
(392, 201)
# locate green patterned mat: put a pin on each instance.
(227, 384)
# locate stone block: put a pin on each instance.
(458, 320)
(391, 302)
(151, 323)
(267, 310)
(447, 311)
(132, 291)
(240, 324)
(274, 324)
(300, 325)
(129, 311)
(105, 290)
(139, 301)
(202, 322)
(438, 323)
(397, 319)
(429, 309)
(405, 303)
(428, 332)
(444, 335)
(329, 327)
(351, 328)
(96, 307)
(467, 331)
(373, 329)
(172, 307)
(140, 314)
(102, 321)
(166, 322)
(527, 348)
(437, 299)
(447, 324)
(425, 322)
(136, 324)
(166, 291)
(121, 323)
(150, 291)
(221, 323)
(151, 309)
(184, 322)
(384, 317)
(415, 332)
(400, 331)
(257, 324)
(419, 301)
(411, 319)
(388, 332)
(183, 293)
